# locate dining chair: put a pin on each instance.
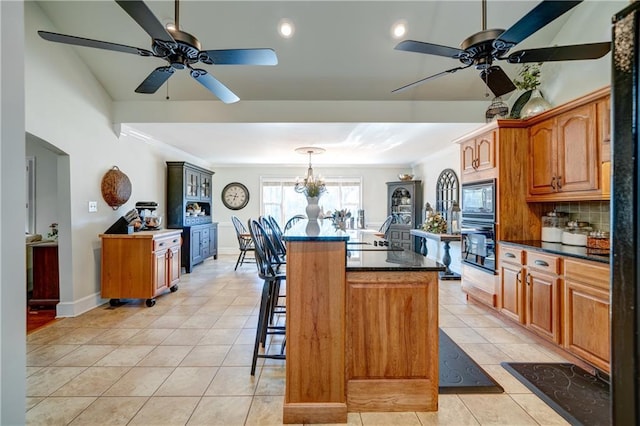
(270, 288)
(292, 221)
(384, 229)
(245, 243)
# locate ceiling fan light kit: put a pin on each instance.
(178, 48)
(487, 46)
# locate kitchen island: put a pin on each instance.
(362, 326)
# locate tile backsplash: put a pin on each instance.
(595, 212)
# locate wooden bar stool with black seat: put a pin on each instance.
(264, 251)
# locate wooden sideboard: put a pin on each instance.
(46, 281)
(141, 265)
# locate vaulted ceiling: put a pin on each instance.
(332, 86)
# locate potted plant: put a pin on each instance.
(528, 81)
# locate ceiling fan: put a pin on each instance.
(180, 49)
(483, 48)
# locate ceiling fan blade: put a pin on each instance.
(431, 77)
(573, 52)
(429, 49)
(239, 57)
(497, 81)
(87, 42)
(152, 83)
(141, 13)
(538, 17)
(214, 86)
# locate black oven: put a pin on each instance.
(478, 244)
(478, 225)
(478, 200)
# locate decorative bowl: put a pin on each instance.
(404, 176)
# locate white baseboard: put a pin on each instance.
(78, 307)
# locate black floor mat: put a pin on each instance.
(579, 397)
(459, 373)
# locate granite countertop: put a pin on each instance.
(366, 251)
(562, 249)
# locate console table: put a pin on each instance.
(448, 274)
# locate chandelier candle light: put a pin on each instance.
(311, 186)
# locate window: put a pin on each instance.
(30, 216)
(280, 199)
(446, 192)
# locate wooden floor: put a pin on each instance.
(39, 318)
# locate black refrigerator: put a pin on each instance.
(625, 214)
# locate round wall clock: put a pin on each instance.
(235, 196)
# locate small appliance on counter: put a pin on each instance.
(553, 224)
(575, 233)
(149, 216)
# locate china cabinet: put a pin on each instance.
(190, 207)
(405, 205)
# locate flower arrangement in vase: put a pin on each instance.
(436, 224)
(340, 217)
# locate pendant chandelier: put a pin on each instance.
(311, 185)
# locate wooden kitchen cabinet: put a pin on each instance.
(140, 266)
(587, 306)
(478, 154)
(512, 283)
(565, 151)
(46, 287)
(542, 301)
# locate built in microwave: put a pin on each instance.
(478, 200)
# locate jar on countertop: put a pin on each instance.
(553, 224)
(599, 240)
(576, 233)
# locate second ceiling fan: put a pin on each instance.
(178, 48)
(484, 48)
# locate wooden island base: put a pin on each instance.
(362, 335)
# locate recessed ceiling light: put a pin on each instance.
(286, 28)
(399, 29)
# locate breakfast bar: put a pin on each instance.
(362, 326)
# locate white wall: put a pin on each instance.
(67, 108)
(374, 193)
(12, 200)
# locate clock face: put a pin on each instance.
(235, 196)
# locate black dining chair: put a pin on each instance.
(264, 251)
(293, 220)
(384, 229)
(245, 243)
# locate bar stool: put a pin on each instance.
(264, 252)
(245, 243)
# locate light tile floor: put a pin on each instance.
(186, 361)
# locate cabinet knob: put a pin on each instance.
(161, 245)
(559, 182)
(553, 183)
(540, 262)
(519, 277)
(175, 241)
(511, 255)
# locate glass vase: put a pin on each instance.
(535, 105)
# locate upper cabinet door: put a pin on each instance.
(577, 150)
(542, 158)
(468, 150)
(191, 184)
(485, 151)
